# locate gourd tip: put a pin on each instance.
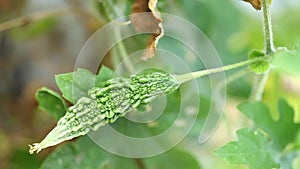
(35, 147)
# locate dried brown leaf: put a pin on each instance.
(149, 21)
(255, 3)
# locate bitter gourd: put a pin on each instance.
(106, 104)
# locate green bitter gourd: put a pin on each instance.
(105, 104)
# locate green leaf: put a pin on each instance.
(75, 85)
(252, 149)
(282, 131)
(82, 154)
(258, 67)
(104, 74)
(51, 102)
(174, 159)
(86, 154)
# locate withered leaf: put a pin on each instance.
(255, 3)
(146, 18)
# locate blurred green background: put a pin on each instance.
(31, 54)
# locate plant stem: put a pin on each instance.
(258, 88)
(25, 20)
(194, 75)
(122, 52)
(140, 163)
(269, 45)
(120, 47)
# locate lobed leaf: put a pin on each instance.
(282, 131)
(252, 149)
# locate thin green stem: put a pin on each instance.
(121, 49)
(237, 75)
(269, 45)
(26, 20)
(194, 75)
(140, 163)
(258, 88)
(123, 53)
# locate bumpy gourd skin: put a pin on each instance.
(105, 104)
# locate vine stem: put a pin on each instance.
(140, 163)
(258, 87)
(194, 75)
(120, 47)
(25, 20)
(122, 52)
(269, 44)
